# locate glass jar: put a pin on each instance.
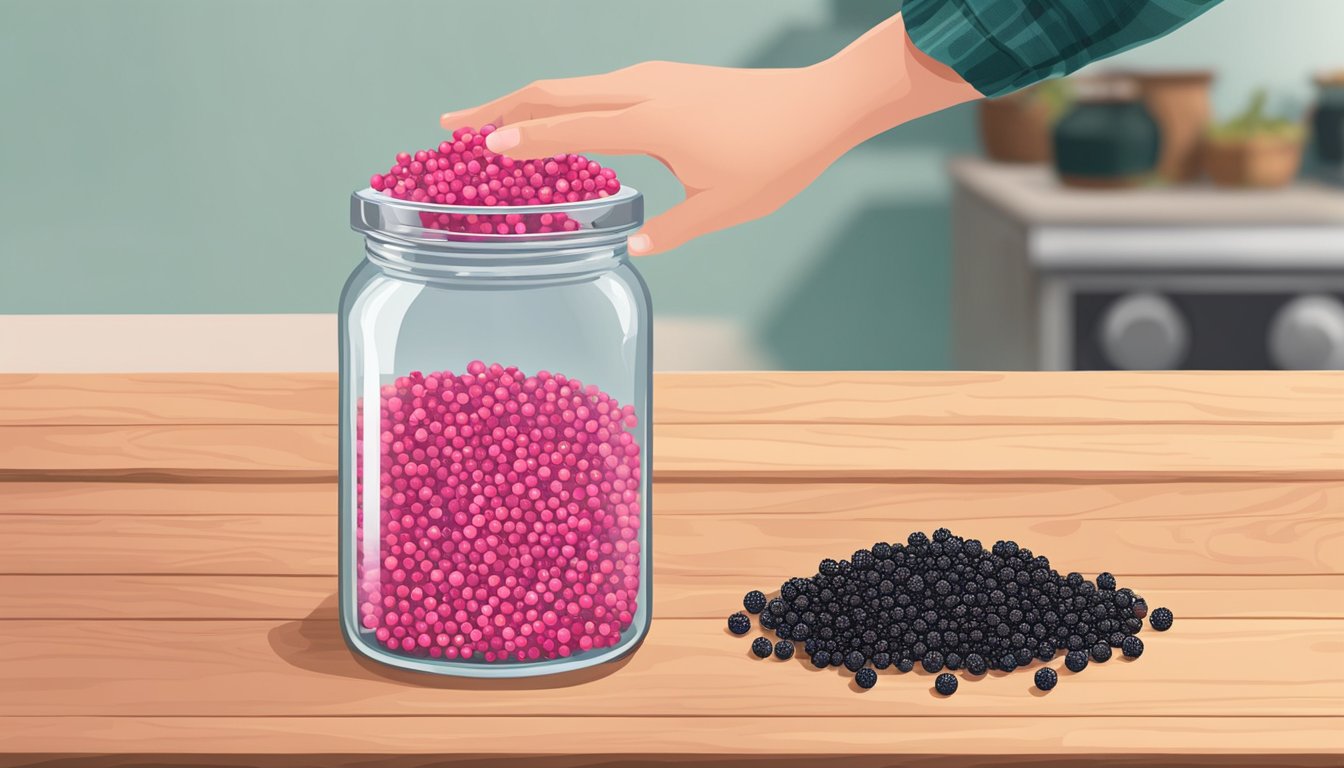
(1108, 138)
(501, 526)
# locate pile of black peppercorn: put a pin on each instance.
(949, 604)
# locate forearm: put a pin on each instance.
(1002, 45)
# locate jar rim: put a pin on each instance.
(600, 220)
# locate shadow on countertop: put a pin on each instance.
(315, 644)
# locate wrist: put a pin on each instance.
(883, 80)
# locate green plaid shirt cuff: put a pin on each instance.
(999, 46)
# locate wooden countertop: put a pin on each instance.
(167, 592)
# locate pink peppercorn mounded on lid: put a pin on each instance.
(450, 188)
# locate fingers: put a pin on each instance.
(698, 215)
(542, 99)
(619, 132)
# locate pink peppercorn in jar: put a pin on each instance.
(494, 457)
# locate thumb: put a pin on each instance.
(609, 133)
(697, 215)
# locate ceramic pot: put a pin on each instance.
(1108, 138)
(1261, 161)
(1327, 120)
(1179, 102)
(1016, 129)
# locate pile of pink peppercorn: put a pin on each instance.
(508, 516)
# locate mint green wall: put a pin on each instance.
(165, 156)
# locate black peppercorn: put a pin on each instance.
(1046, 678)
(1076, 661)
(854, 660)
(932, 661)
(739, 624)
(949, 603)
(761, 647)
(946, 684)
(1132, 647)
(976, 664)
(1161, 619)
(754, 601)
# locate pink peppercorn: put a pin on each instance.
(464, 172)
(510, 517)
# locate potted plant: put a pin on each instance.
(1016, 128)
(1254, 149)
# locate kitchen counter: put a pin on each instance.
(1032, 193)
(167, 593)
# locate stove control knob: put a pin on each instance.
(1308, 333)
(1144, 331)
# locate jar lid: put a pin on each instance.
(502, 228)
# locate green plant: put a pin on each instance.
(1254, 122)
(1056, 95)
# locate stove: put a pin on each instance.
(1196, 278)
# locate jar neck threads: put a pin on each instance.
(449, 261)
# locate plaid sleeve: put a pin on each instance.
(999, 46)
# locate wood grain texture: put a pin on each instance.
(1131, 741)
(231, 596)
(1269, 452)
(757, 533)
(1082, 397)
(176, 451)
(913, 397)
(768, 531)
(644, 760)
(685, 667)
(72, 399)
(117, 499)
(1075, 452)
(129, 596)
(278, 544)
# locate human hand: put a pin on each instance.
(741, 141)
